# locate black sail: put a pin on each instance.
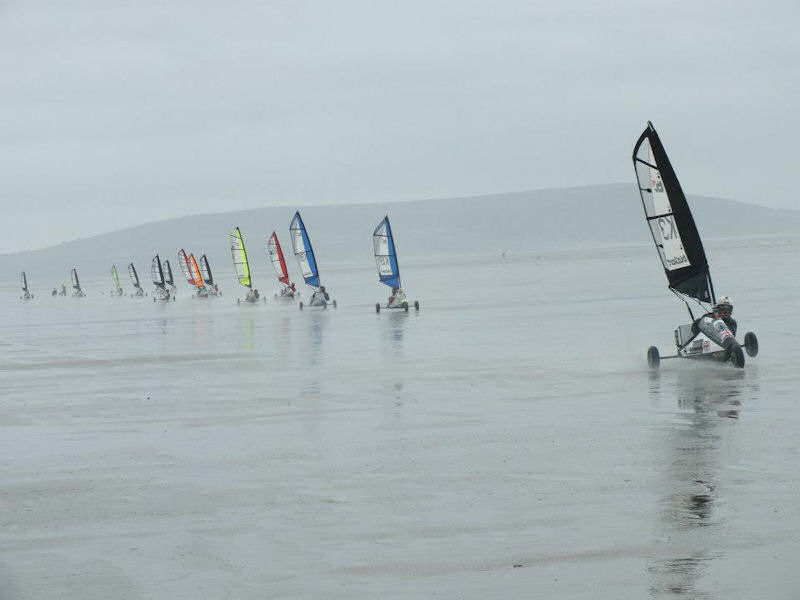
(156, 272)
(167, 270)
(205, 269)
(133, 275)
(671, 223)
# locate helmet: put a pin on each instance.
(322, 288)
(724, 303)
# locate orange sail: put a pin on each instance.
(197, 277)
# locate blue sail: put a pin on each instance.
(303, 251)
(385, 254)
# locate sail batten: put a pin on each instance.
(115, 277)
(303, 252)
(669, 217)
(133, 275)
(194, 269)
(239, 255)
(183, 260)
(276, 257)
(157, 272)
(205, 269)
(167, 271)
(385, 254)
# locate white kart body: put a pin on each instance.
(706, 344)
(287, 294)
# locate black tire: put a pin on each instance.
(301, 306)
(653, 357)
(377, 307)
(405, 306)
(334, 304)
(238, 302)
(416, 305)
(751, 343)
(737, 356)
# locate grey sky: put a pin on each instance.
(117, 113)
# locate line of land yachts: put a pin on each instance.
(200, 277)
(712, 335)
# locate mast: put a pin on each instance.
(24, 281)
(385, 254)
(157, 273)
(197, 277)
(167, 271)
(239, 255)
(206, 270)
(303, 252)
(115, 277)
(133, 275)
(183, 260)
(670, 220)
(276, 258)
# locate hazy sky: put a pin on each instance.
(116, 113)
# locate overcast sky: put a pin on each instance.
(118, 113)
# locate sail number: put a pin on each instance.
(667, 227)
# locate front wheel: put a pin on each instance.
(334, 304)
(653, 357)
(416, 305)
(405, 306)
(377, 307)
(301, 306)
(751, 343)
(737, 356)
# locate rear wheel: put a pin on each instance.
(737, 357)
(751, 343)
(653, 357)
(377, 307)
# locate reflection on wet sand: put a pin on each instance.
(708, 398)
(248, 333)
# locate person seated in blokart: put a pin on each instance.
(139, 292)
(718, 324)
(289, 290)
(320, 297)
(202, 292)
(397, 299)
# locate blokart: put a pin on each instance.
(684, 260)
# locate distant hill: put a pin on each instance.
(515, 222)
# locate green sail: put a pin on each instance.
(239, 255)
(115, 275)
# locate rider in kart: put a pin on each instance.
(718, 324)
(320, 297)
(397, 298)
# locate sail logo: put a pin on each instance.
(677, 261)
